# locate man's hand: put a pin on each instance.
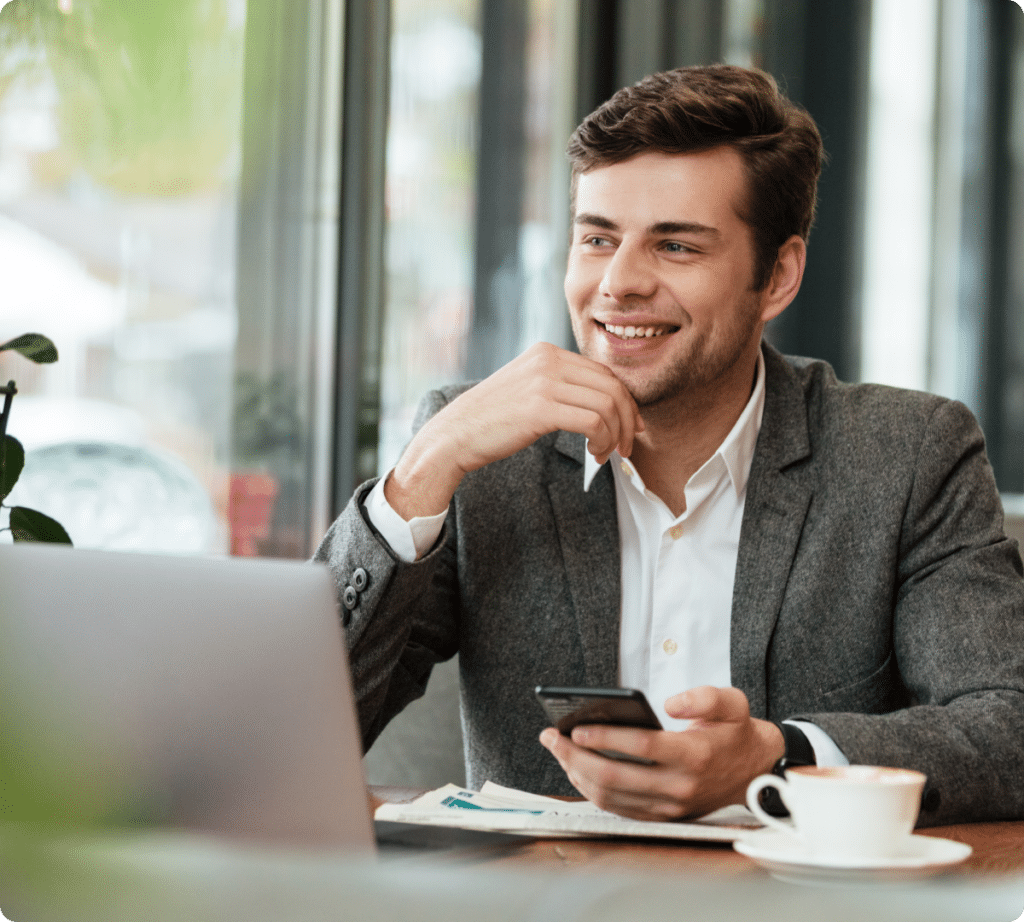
(541, 391)
(697, 770)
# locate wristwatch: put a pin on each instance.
(799, 751)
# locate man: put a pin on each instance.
(790, 567)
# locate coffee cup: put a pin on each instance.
(855, 811)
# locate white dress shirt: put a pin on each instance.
(677, 572)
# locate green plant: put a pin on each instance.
(25, 524)
(147, 93)
(267, 433)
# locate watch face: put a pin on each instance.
(799, 750)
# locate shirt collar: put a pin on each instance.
(737, 451)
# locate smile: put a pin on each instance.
(624, 332)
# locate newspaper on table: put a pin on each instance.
(502, 809)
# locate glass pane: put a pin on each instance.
(438, 189)
(119, 143)
(431, 165)
(168, 216)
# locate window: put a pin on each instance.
(168, 212)
(118, 185)
(481, 105)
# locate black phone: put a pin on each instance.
(568, 707)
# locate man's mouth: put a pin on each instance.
(638, 332)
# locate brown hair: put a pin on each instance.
(693, 109)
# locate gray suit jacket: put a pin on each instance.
(876, 594)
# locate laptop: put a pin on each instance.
(203, 694)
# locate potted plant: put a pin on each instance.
(266, 440)
(25, 524)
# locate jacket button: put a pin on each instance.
(350, 598)
(360, 579)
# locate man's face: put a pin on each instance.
(660, 273)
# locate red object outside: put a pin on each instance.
(250, 509)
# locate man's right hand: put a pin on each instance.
(543, 390)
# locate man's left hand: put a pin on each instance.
(706, 766)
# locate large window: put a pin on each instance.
(259, 232)
(168, 206)
(481, 104)
(943, 300)
(118, 186)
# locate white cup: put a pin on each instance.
(857, 811)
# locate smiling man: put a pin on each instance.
(791, 568)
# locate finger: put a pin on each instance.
(546, 379)
(709, 704)
(549, 738)
(641, 744)
(591, 374)
(598, 772)
(600, 385)
(632, 790)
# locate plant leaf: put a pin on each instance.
(33, 346)
(12, 460)
(30, 525)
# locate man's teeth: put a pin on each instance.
(635, 332)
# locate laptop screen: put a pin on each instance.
(205, 694)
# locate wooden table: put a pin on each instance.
(998, 850)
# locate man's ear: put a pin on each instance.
(787, 275)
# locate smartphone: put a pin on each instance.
(568, 707)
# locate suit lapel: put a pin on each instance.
(589, 534)
(773, 519)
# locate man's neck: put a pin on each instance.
(682, 434)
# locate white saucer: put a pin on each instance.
(785, 858)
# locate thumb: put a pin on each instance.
(708, 703)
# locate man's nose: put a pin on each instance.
(628, 274)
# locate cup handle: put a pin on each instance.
(754, 789)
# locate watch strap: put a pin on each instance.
(799, 751)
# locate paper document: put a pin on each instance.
(508, 810)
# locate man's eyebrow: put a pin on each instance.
(685, 227)
(662, 227)
(594, 220)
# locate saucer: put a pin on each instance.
(785, 858)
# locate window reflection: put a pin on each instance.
(119, 127)
(440, 196)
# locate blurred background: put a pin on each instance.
(259, 231)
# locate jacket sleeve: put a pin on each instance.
(399, 618)
(957, 639)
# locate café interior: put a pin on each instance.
(258, 232)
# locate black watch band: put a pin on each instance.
(799, 751)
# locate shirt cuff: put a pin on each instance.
(826, 752)
(409, 540)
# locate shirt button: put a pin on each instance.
(350, 598)
(669, 646)
(360, 579)
(676, 531)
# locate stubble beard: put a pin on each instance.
(693, 377)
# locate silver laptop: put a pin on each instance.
(205, 694)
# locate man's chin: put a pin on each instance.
(648, 395)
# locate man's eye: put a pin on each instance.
(674, 247)
(596, 241)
